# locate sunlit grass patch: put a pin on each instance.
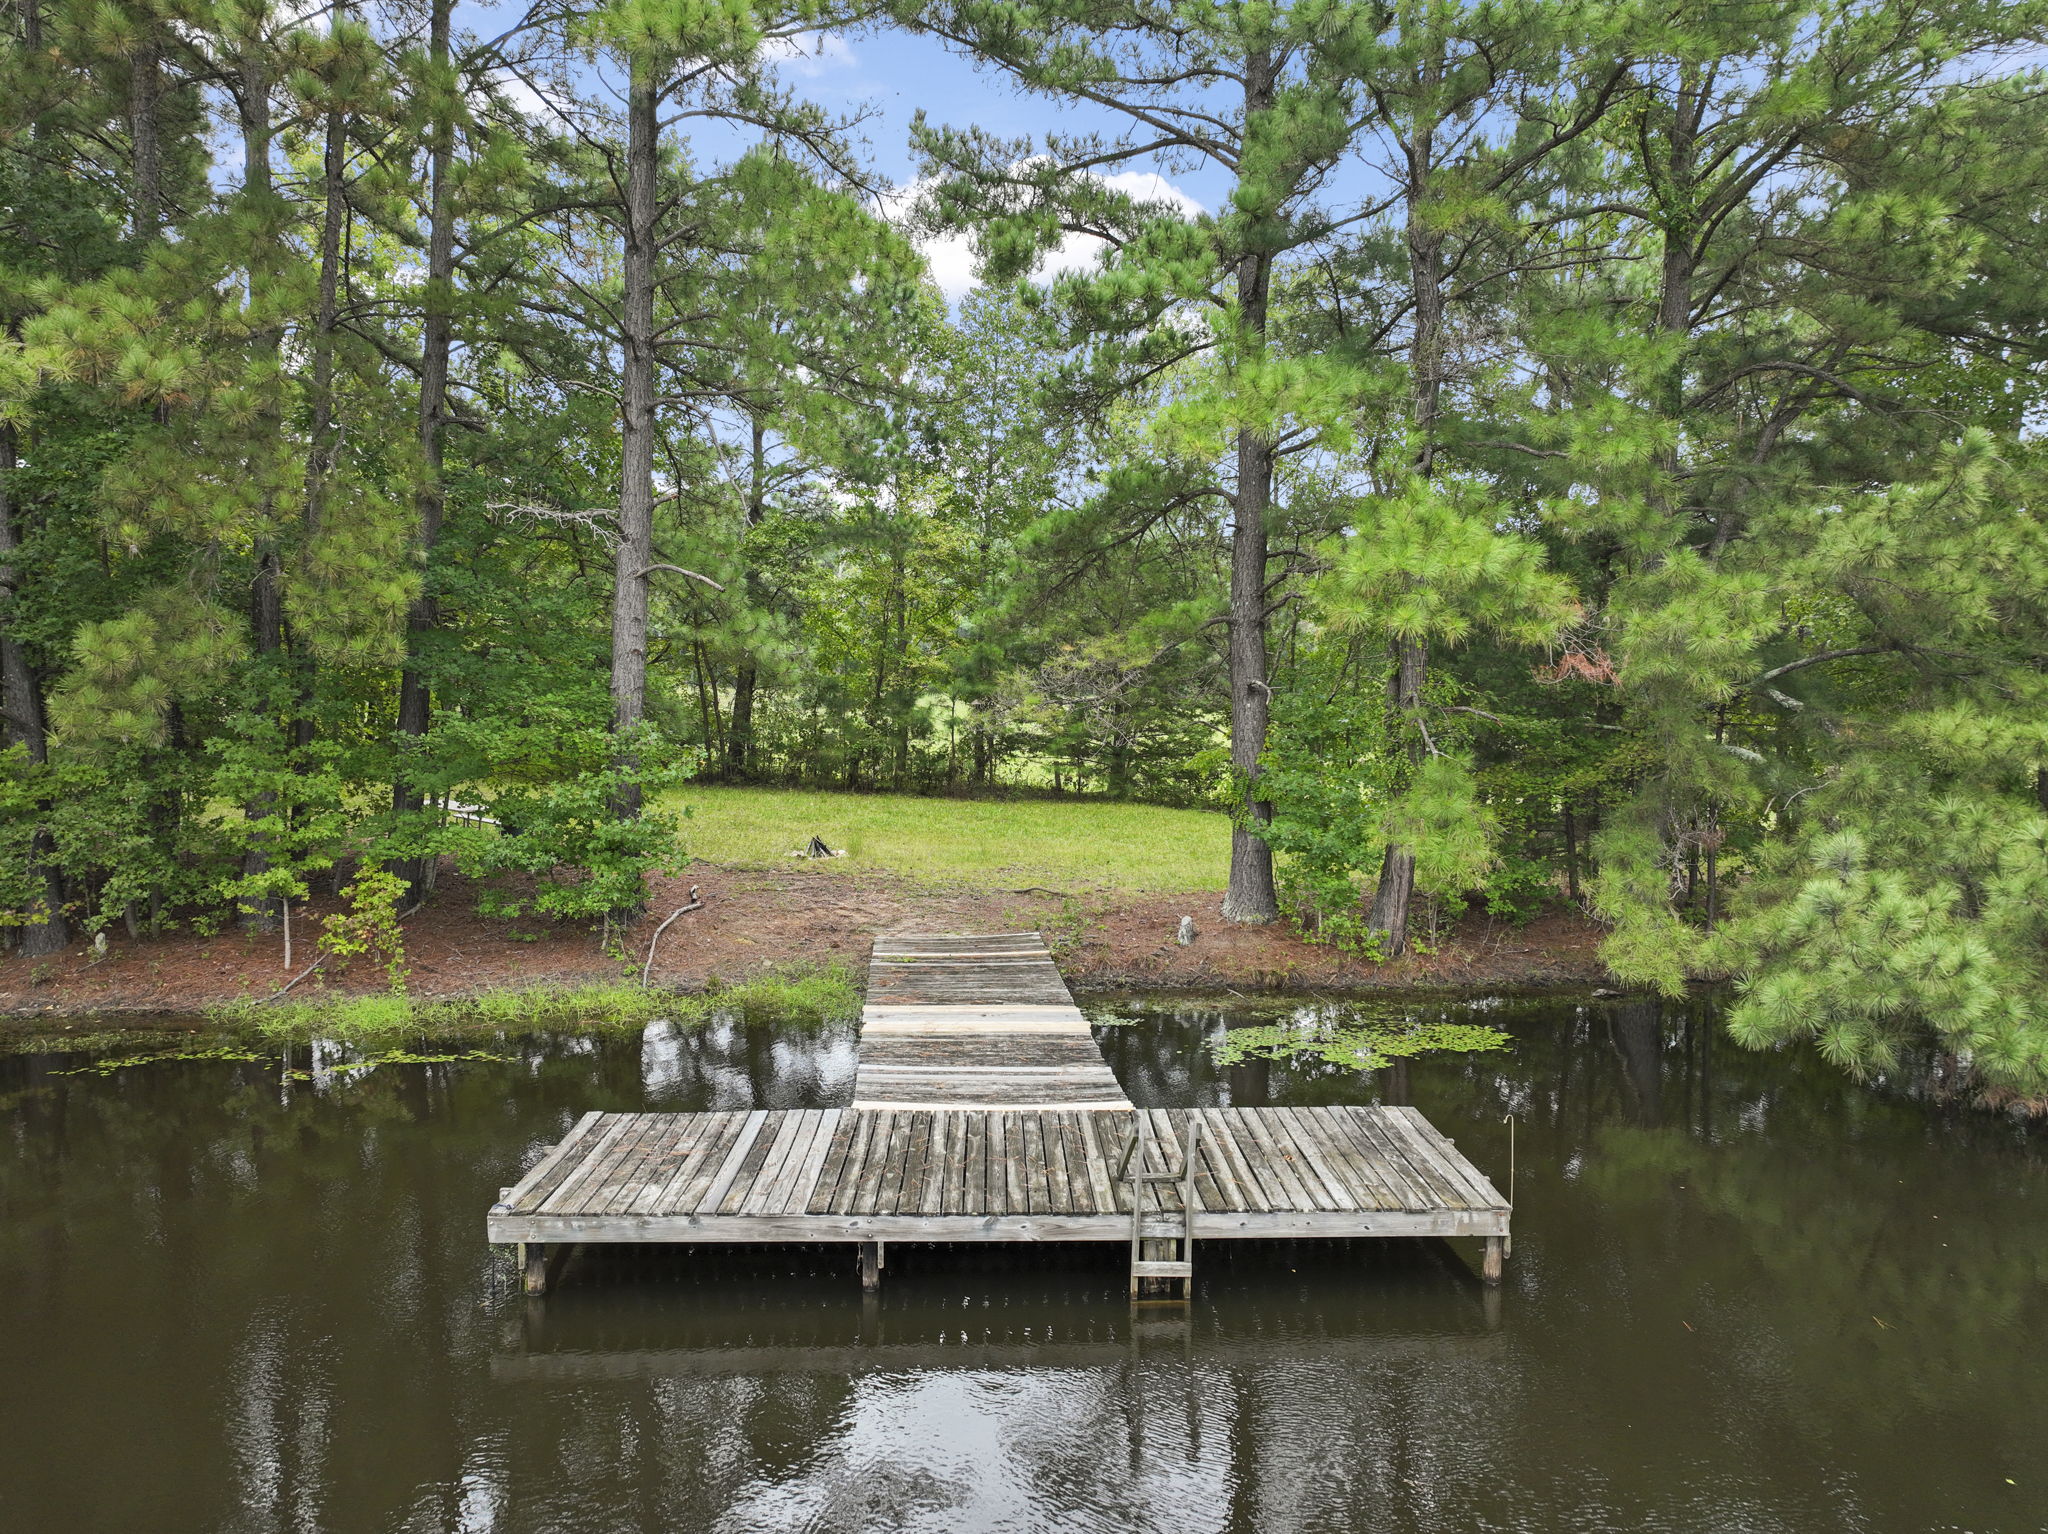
(1059, 844)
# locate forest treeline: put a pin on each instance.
(1587, 451)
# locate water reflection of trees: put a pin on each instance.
(273, 1294)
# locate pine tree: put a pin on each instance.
(1765, 279)
(687, 336)
(1470, 105)
(1245, 92)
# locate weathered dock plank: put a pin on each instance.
(983, 1111)
(974, 1021)
(645, 1170)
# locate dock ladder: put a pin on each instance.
(1162, 1238)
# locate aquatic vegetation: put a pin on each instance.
(1100, 1019)
(414, 1057)
(1360, 1046)
(106, 1066)
(402, 1029)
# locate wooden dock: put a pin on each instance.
(955, 1022)
(983, 1111)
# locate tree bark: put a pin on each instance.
(323, 436)
(1396, 888)
(636, 484)
(23, 723)
(739, 740)
(1251, 897)
(739, 735)
(415, 695)
(1571, 856)
(900, 706)
(707, 702)
(266, 598)
(320, 443)
(145, 140)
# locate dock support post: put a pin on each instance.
(541, 1263)
(871, 1265)
(1495, 1259)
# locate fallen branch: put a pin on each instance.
(648, 968)
(294, 980)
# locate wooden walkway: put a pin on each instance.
(954, 1022)
(978, 1119)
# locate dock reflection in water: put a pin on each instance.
(251, 1296)
(1016, 1388)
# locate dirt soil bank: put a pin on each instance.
(754, 919)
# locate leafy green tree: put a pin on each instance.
(1906, 895)
(1246, 93)
(1734, 364)
(1470, 106)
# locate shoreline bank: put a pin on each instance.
(759, 921)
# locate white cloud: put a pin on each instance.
(810, 54)
(951, 256)
(951, 259)
(1150, 186)
(534, 103)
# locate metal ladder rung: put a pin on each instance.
(1169, 1227)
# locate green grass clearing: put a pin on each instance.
(1063, 844)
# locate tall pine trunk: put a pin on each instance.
(320, 445)
(415, 697)
(900, 704)
(1396, 889)
(636, 400)
(266, 595)
(739, 740)
(145, 139)
(1395, 892)
(21, 714)
(1251, 896)
(323, 436)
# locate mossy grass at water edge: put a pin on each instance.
(810, 994)
(822, 993)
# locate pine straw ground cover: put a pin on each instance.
(1107, 883)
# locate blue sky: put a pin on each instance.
(891, 75)
(885, 76)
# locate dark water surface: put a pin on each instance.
(1745, 1295)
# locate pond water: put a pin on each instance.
(1745, 1294)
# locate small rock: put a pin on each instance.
(1186, 935)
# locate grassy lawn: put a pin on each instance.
(1062, 845)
